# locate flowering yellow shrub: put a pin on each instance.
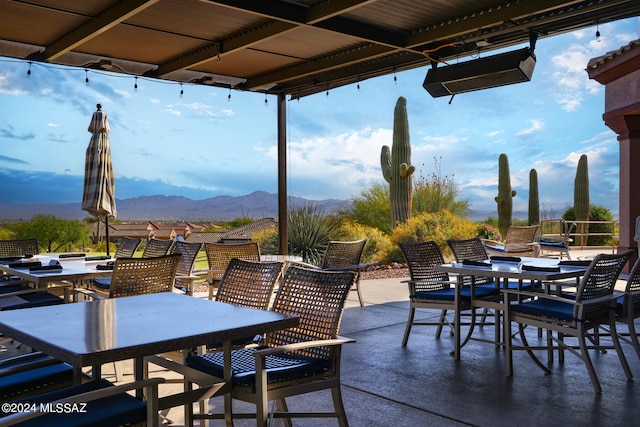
(437, 226)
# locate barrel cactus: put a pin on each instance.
(505, 195)
(396, 166)
(534, 202)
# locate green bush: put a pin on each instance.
(438, 226)
(438, 193)
(597, 213)
(371, 208)
(378, 243)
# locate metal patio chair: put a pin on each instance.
(571, 315)
(184, 275)
(555, 237)
(219, 255)
(294, 361)
(519, 241)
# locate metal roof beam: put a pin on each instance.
(325, 16)
(105, 20)
(213, 50)
(468, 25)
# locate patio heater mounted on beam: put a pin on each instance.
(484, 73)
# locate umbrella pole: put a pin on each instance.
(106, 231)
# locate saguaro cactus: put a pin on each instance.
(396, 165)
(581, 207)
(534, 201)
(505, 195)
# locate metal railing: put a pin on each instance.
(581, 234)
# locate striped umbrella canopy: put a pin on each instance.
(98, 197)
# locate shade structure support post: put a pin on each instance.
(283, 237)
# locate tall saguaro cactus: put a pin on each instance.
(581, 207)
(534, 201)
(396, 165)
(505, 195)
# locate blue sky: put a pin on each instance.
(203, 144)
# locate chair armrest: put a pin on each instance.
(91, 294)
(490, 242)
(301, 345)
(304, 264)
(150, 384)
(552, 297)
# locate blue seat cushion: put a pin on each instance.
(526, 285)
(102, 282)
(465, 293)
(35, 299)
(552, 243)
(279, 367)
(546, 308)
(28, 376)
(117, 410)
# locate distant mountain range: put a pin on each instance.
(258, 204)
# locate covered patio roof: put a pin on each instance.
(288, 48)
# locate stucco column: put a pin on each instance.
(628, 128)
(619, 72)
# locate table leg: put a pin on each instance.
(228, 410)
(456, 318)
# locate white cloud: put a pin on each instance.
(536, 126)
(53, 125)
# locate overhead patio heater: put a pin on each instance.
(484, 73)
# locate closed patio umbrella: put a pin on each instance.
(98, 197)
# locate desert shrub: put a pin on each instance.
(485, 231)
(309, 232)
(436, 193)
(597, 213)
(377, 245)
(371, 208)
(437, 226)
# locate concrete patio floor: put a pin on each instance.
(385, 384)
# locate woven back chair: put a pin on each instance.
(157, 247)
(427, 287)
(219, 255)
(628, 305)
(19, 247)
(262, 374)
(127, 247)
(345, 256)
(138, 276)
(471, 250)
(572, 315)
(519, 241)
(189, 253)
(249, 283)
(555, 236)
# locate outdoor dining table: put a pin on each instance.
(96, 332)
(74, 269)
(540, 270)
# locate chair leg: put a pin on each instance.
(533, 357)
(633, 335)
(407, 329)
(281, 406)
(359, 292)
(587, 361)
(442, 321)
(618, 347)
(336, 393)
